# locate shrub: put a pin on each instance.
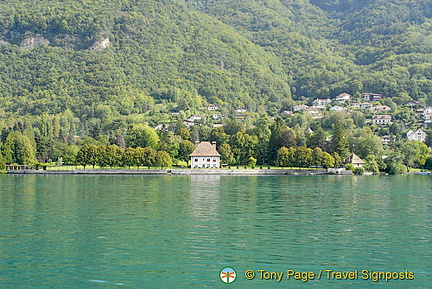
(358, 170)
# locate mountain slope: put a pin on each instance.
(124, 57)
(81, 54)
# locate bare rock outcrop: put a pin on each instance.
(33, 41)
(101, 44)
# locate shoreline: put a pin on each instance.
(251, 172)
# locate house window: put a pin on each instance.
(214, 161)
(208, 160)
(196, 160)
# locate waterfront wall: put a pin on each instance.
(178, 172)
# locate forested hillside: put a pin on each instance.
(130, 54)
(155, 51)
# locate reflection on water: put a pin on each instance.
(151, 232)
(205, 196)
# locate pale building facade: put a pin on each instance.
(205, 155)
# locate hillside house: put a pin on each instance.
(313, 110)
(372, 96)
(412, 103)
(427, 120)
(343, 97)
(241, 109)
(300, 107)
(382, 119)
(419, 135)
(362, 105)
(218, 116)
(338, 108)
(387, 139)
(205, 155)
(214, 107)
(321, 103)
(380, 108)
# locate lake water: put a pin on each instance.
(180, 231)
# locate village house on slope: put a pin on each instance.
(205, 155)
(419, 135)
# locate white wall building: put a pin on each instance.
(382, 119)
(417, 135)
(205, 155)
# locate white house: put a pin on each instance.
(382, 119)
(387, 139)
(205, 155)
(194, 118)
(337, 108)
(417, 135)
(189, 123)
(343, 97)
(300, 107)
(362, 105)
(218, 116)
(214, 107)
(241, 109)
(321, 103)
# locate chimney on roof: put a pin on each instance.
(197, 142)
(213, 143)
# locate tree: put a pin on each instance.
(142, 136)
(243, 146)
(286, 138)
(276, 130)
(364, 143)
(317, 139)
(303, 157)
(44, 138)
(147, 156)
(415, 153)
(339, 142)
(322, 159)
(285, 157)
(110, 156)
(18, 149)
(371, 164)
(88, 155)
(131, 157)
(263, 132)
(227, 156)
(163, 159)
(185, 149)
(338, 161)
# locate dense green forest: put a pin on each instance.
(90, 72)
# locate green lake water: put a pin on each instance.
(180, 231)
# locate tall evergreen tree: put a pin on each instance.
(339, 142)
